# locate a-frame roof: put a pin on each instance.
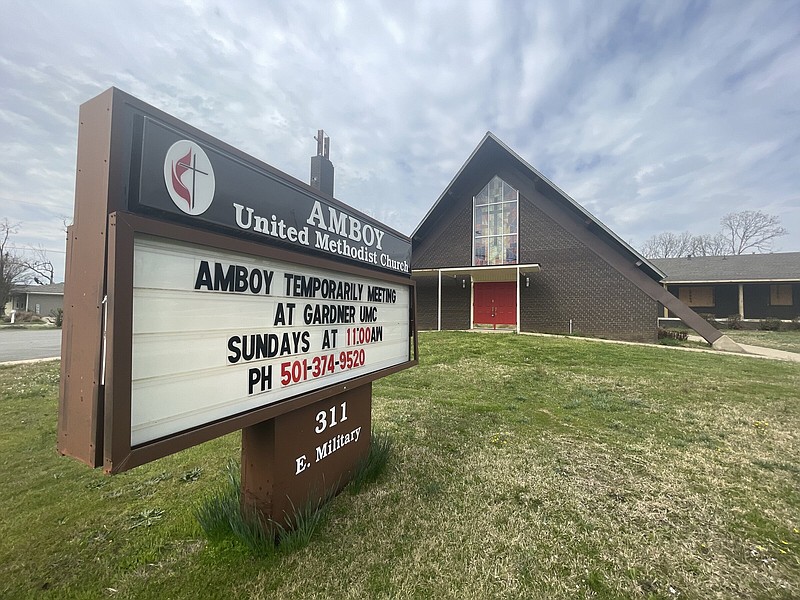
(492, 151)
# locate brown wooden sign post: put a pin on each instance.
(207, 292)
(308, 453)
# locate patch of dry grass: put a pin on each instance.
(523, 467)
(780, 340)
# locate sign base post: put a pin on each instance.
(303, 458)
(257, 468)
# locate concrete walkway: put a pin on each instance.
(760, 351)
(771, 353)
(752, 351)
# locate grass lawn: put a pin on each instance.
(523, 467)
(779, 340)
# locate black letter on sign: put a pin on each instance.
(241, 278)
(204, 277)
(281, 317)
(259, 376)
(329, 339)
(233, 347)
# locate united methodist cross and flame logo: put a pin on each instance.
(189, 177)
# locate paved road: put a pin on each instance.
(25, 344)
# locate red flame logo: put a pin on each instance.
(189, 177)
(178, 169)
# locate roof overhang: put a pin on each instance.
(481, 274)
(42, 293)
(720, 281)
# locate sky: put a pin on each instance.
(654, 116)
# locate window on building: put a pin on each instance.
(697, 296)
(780, 295)
(496, 221)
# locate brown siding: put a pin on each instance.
(757, 303)
(46, 303)
(726, 300)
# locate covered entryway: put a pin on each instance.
(493, 293)
(494, 303)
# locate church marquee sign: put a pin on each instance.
(208, 292)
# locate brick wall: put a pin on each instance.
(455, 303)
(451, 245)
(574, 282)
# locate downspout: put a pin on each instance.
(471, 303)
(741, 301)
(439, 307)
(518, 297)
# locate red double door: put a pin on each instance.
(494, 303)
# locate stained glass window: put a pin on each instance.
(494, 240)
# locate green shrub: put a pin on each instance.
(672, 334)
(769, 324)
(371, 468)
(710, 319)
(221, 518)
(734, 322)
(58, 316)
(25, 316)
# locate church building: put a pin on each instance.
(504, 248)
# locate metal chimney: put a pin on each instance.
(321, 166)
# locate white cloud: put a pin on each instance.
(654, 116)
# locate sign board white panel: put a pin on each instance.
(217, 333)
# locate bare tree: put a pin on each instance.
(746, 231)
(38, 264)
(751, 231)
(710, 245)
(668, 245)
(12, 270)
